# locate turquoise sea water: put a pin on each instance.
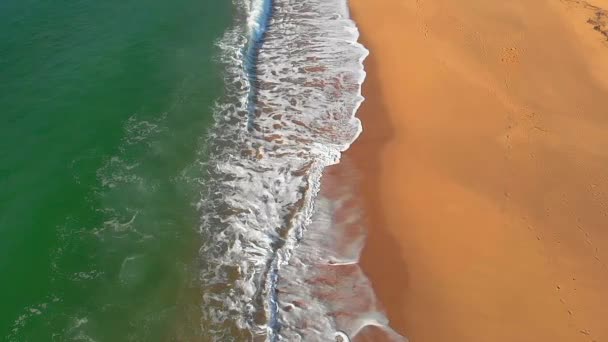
(102, 108)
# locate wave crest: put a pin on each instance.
(292, 87)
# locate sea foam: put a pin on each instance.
(293, 75)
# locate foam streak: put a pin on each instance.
(293, 85)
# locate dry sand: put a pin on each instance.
(485, 167)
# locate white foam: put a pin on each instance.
(318, 295)
(265, 231)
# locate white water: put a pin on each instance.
(268, 237)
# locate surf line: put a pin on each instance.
(259, 19)
(258, 22)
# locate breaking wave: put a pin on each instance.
(276, 262)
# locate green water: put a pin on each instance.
(102, 108)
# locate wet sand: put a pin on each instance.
(484, 163)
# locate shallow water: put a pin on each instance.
(293, 75)
(162, 168)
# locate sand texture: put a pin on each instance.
(484, 163)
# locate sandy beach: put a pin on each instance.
(484, 163)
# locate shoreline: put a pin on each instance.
(483, 159)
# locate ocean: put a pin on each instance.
(161, 167)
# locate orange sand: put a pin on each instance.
(485, 163)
